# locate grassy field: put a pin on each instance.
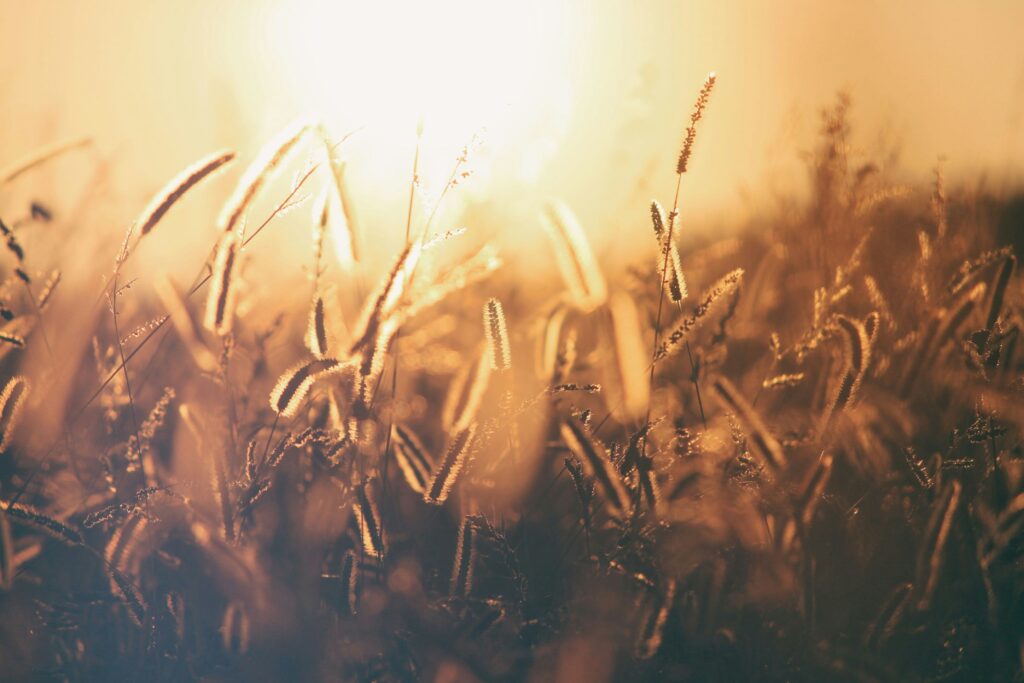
(791, 453)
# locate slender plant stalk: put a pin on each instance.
(398, 334)
(146, 466)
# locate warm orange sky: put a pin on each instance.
(594, 93)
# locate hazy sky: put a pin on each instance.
(586, 97)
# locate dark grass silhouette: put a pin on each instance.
(817, 478)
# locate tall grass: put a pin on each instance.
(565, 505)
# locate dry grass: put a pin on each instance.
(537, 483)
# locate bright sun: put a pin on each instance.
(460, 66)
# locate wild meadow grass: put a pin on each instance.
(790, 453)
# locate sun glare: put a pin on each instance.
(460, 67)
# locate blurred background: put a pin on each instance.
(579, 100)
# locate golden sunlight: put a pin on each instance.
(462, 68)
